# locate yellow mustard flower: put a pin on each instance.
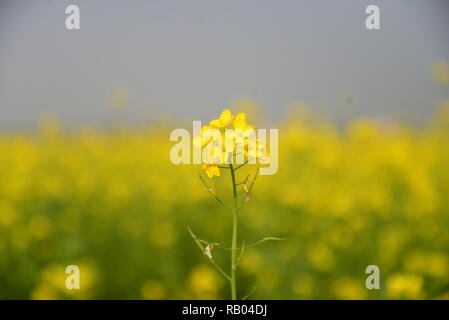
(239, 121)
(223, 121)
(228, 136)
(211, 170)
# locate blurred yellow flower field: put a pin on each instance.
(111, 202)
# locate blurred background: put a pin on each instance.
(86, 179)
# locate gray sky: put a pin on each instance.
(189, 59)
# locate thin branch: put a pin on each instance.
(210, 190)
(249, 293)
(241, 165)
(244, 181)
(254, 243)
(254, 180)
(250, 188)
(198, 242)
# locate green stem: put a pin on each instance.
(234, 237)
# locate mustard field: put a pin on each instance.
(111, 202)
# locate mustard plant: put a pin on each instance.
(229, 143)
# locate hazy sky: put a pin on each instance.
(189, 59)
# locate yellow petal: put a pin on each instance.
(239, 124)
(216, 123)
(215, 170)
(211, 170)
(205, 128)
(240, 116)
(226, 117)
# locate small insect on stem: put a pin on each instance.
(208, 249)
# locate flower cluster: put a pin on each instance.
(230, 140)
